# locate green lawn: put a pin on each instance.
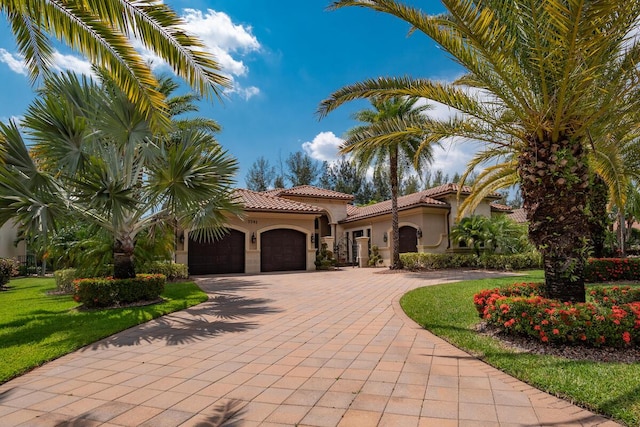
(36, 327)
(612, 389)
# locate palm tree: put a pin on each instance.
(544, 80)
(119, 174)
(471, 232)
(102, 30)
(383, 140)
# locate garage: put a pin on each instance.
(408, 239)
(283, 250)
(222, 256)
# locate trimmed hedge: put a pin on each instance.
(8, 269)
(107, 292)
(426, 261)
(520, 309)
(612, 269)
(64, 280)
(171, 270)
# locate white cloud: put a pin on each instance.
(222, 37)
(245, 93)
(324, 147)
(61, 62)
(14, 61)
(226, 41)
(70, 62)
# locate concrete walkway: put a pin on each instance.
(306, 349)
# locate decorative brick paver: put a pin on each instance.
(307, 349)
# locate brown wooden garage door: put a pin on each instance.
(220, 257)
(283, 250)
(408, 239)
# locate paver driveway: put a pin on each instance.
(316, 349)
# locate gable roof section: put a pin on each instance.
(452, 188)
(518, 215)
(498, 207)
(309, 191)
(355, 213)
(261, 202)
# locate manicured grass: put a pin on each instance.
(612, 389)
(36, 327)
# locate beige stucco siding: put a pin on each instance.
(8, 236)
(432, 222)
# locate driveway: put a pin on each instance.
(307, 349)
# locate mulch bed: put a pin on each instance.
(523, 344)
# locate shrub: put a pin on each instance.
(616, 295)
(64, 280)
(520, 310)
(8, 269)
(610, 269)
(106, 292)
(374, 256)
(324, 259)
(427, 261)
(171, 270)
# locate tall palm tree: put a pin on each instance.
(118, 174)
(384, 140)
(544, 79)
(102, 30)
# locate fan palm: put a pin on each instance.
(544, 79)
(120, 175)
(102, 30)
(384, 141)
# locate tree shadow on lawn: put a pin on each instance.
(191, 325)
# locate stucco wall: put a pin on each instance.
(8, 235)
(432, 222)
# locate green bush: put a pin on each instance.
(171, 270)
(374, 256)
(324, 259)
(610, 269)
(426, 261)
(64, 280)
(107, 292)
(8, 269)
(525, 312)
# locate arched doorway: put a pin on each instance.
(408, 239)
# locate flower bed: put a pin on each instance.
(611, 319)
(611, 269)
(106, 292)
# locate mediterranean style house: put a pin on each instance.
(282, 229)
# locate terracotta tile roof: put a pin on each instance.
(262, 202)
(518, 215)
(309, 191)
(452, 188)
(500, 208)
(404, 202)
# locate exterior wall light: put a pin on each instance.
(181, 238)
(313, 238)
(253, 237)
(385, 237)
(419, 233)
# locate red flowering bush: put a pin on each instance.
(107, 291)
(614, 295)
(611, 269)
(591, 323)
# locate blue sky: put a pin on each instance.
(284, 57)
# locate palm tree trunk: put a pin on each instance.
(554, 182)
(123, 264)
(396, 264)
(598, 216)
